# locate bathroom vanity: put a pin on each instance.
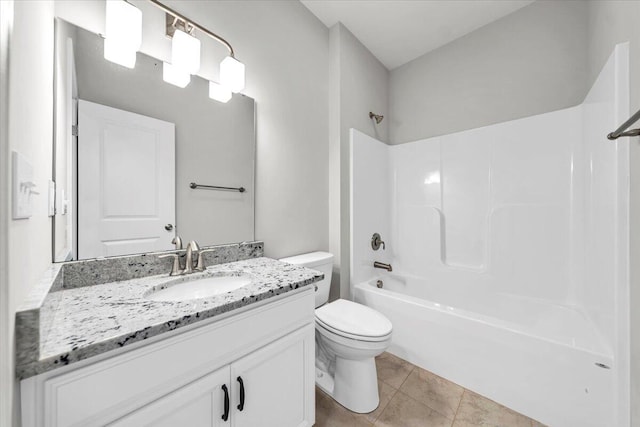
(109, 354)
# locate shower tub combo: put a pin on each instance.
(509, 248)
(535, 358)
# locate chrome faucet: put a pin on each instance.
(176, 268)
(382, 265)
(191, 248)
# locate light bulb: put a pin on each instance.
(175, 76)
(185, 52)
(219, 92)
(123, 32)
(232, 74)
(116, 52)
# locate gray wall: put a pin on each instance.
(359, 84)
(612, 22)
(530, 62)
(215, 142)
(286, 51)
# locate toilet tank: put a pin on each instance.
(321, 261)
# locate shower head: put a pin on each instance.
(378, 117)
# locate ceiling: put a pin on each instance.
(397, 31)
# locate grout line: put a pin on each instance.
(413, 367)
(427, 406)
(395, 391)
(464, 390)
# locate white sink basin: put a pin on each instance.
(199, 288)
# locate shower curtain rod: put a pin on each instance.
(621, 130)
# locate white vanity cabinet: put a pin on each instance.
(197, 404)
(263, 357)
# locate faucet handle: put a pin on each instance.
(176, 269)
(376, 242)
(177, 241)
(200, 264)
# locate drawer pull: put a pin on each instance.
(241, 405)
(225, 416)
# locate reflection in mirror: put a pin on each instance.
(127, 147)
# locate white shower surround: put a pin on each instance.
(510, 240)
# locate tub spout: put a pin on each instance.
(382, 265)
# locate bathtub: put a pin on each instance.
(505, 347)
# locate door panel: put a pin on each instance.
(126, 182)
(199, 404)
(279, 383)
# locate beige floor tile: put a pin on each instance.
(434, 391)
(330, 413)
(386, 392)
(476, 410)
(392, 370)
(403, 411)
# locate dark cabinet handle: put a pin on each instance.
(225, 416)
(241, 405)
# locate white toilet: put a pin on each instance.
(348, 338)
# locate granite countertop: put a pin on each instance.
(82, 322)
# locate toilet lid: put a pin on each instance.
(354, 319)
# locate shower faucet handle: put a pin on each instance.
(376, 242)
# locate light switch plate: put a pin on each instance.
(22, 187)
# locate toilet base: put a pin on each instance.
(324, 381)
(355, 385)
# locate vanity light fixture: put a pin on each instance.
(185, 52)
(123, 38)
(219, 92)
(186, 55)
(174, 75)
(232, 74)
(123, 32)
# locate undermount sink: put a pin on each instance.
(184, 289)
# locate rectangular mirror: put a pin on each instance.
(128, 147)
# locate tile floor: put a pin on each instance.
(411, 396)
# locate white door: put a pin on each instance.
(198, 404)
(126, 182)
(278, 382)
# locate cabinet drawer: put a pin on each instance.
(102, 392)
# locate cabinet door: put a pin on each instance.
(278, 381)
(198, 404)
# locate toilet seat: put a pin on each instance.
(352, 320)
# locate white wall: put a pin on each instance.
(359, 85)
(30, 130)
(529, 62)
(6, 325)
